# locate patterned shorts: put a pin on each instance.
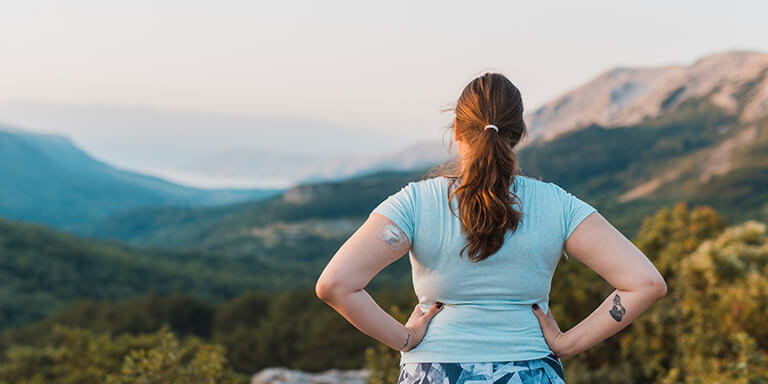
(548, 370)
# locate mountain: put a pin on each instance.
(418, 156)
(43, 269)
(285, 229)
(695, 152)
(178, 145)
(47, 179)
(296, 168)
(736, 81)
(636, 138)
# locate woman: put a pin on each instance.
(482, 265)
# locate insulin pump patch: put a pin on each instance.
(391, 235)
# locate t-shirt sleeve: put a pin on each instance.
(575, 210)
(400, 207)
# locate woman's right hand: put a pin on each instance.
(418, 323)
(555, 338)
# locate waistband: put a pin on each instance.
(490, 372)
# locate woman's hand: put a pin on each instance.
(556, 339)
(418, 323)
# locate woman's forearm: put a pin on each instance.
(616, 312)
(360, 309)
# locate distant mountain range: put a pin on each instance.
(180, 145)
(47, 179)
(736, 81)
(619, 170)
(702, 140)
(693, 149)
(272, 165)
(298, 222)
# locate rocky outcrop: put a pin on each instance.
(280, 375)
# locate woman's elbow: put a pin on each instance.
(658, 287)
(323, 290)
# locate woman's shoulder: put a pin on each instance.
(519, 179)
(430, 183)
(529, 183)
(538, 183)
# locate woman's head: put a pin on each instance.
(487, 164)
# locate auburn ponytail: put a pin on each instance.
(486, 169)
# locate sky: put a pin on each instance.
(381, 67)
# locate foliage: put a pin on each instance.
(381, 361)
(724, 302)
(42, 270)
(707, 329)
(81, 356)
(228, 229)
(293, 329)
(667, 237)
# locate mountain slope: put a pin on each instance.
(41, 269)
(307, 213)
(47, 179)
(626, 172)
(736, 81)
(699, 153)
(694, 149)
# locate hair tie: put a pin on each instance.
(492, 126)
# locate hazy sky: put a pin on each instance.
(374, 65)
(386, 66)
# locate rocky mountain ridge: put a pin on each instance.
(736, 81)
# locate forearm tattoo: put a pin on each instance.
(392, 235)
(406, 341)
(618, 310)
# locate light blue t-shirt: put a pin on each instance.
(487, 314)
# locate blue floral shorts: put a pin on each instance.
(548, 370)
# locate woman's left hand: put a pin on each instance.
(418, 323)
(555, 338)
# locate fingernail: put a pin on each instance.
(439, 304)
(535, 307)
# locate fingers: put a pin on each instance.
(434, 309)
(545, 319)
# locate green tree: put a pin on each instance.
(651, 342)
(381, 361)
(724, 301)
(80, 356)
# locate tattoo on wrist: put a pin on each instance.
(406, 341)
(618, 310)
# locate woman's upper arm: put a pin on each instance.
(383, 238)
(598, 244)
(376, 244)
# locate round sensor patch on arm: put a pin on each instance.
(392, 235)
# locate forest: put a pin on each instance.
(708, 329)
